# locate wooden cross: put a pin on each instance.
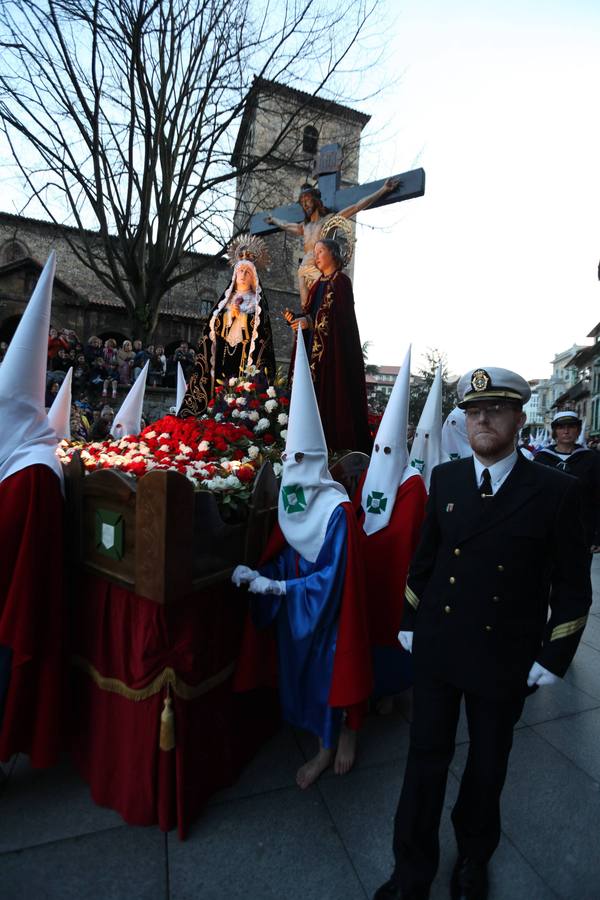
(412, 184)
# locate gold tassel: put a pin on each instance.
(167, 725)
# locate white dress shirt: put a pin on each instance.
(499, 471)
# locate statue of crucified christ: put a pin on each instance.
(314, 216)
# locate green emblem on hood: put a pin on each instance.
(293, 498)
(418, 464)
(376, 502)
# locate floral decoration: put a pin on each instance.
(221, 452)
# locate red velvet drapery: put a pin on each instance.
(126, 650)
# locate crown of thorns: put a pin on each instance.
(249, 246)
(310, 189)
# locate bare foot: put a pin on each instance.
(346, 751)
(385, 705)
(310, 771)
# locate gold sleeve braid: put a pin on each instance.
(568, 628)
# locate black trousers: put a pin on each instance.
(476, 815)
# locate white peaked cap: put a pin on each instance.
(455, 443)
(308, 494)
(426, 451)
(181, 388)
(388, 467)
(59, 414)
(26, 438)
(129, 418)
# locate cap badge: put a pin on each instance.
(480, 380)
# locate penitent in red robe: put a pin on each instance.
(387, 554)
(32, 613)
(337, 365)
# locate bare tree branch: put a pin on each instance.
(121, 117)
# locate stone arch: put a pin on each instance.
(118, 336)
(12, 250)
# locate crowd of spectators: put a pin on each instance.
(102, 371)
(101, 365)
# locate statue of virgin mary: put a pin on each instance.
(237, 337)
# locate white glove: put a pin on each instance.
(262, 585)
(243, 575)
(405, 638)
(539, 675)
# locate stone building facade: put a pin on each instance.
(83, 304)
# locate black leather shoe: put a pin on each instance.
(391, 890)
(469, 880)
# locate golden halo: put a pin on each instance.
(337, 228)
(249, 246)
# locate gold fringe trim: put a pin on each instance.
(568, 628)
(411, 597)
(167, 677)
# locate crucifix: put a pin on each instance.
(305, 218)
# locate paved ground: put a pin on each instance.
(264, 839)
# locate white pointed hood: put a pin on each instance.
(426, 451)
(388, 467)
(181, 388)
(59, 414)
(26, 438)
(308, 494)
(129, 418)
(455, 443)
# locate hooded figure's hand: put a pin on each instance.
(262, 585)
(243, 575)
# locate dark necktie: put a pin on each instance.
(486, 485)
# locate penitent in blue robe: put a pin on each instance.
(306, 619)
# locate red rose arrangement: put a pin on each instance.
(221, 452)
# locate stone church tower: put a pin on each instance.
(315, 122)
(83, 304)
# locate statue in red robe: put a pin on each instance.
(334, 351)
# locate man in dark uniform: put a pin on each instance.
(568, 455)
(494, 556)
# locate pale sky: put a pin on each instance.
(498, 100)
(497, 264)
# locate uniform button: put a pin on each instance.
(496, 599)
(452, 579)
(501, 568)
(447, 609)
(457, 551)
(488, 627)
